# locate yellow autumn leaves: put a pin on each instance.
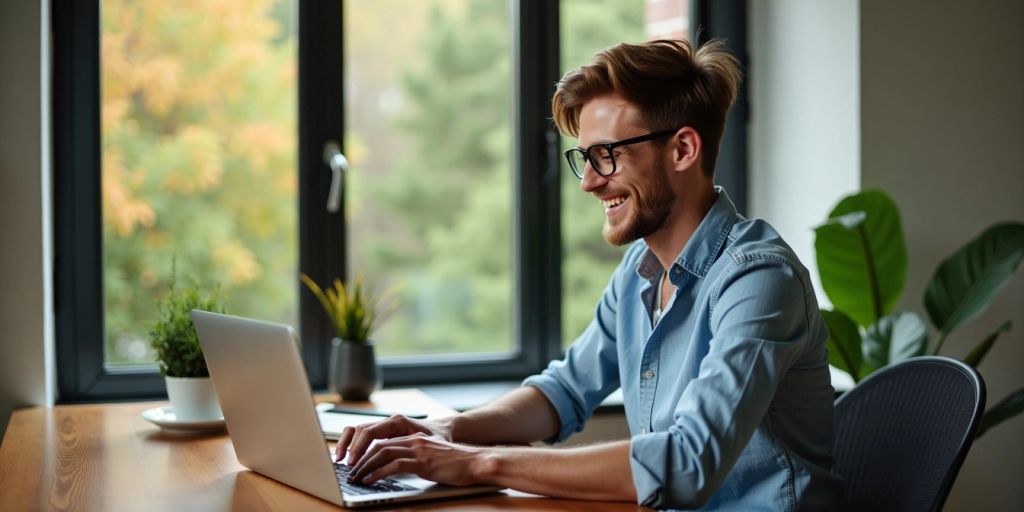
(198, 113)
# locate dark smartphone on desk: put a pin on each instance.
(376, 412)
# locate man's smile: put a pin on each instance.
(613, 205)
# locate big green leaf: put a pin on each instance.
(976, 355)
(894, 338)
(862, 258)
(844, 345)
(966, 282)
(1008, 408)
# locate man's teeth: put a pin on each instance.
(613, 202)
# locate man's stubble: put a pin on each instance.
(652, 205)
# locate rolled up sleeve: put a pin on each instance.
(759, 327)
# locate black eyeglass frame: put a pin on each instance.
(609, 146)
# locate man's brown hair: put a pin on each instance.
(672, 86)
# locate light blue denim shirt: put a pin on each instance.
(728, 397)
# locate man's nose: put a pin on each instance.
(591, 179)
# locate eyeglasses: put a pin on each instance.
(602, 156)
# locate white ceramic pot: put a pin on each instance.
(193, 398)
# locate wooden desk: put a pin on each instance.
(106, 457)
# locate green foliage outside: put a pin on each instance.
(435, 217)
(173, 337)
(438, 220)
(199, 163)
(862, 261)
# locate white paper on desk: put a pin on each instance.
(333, 422)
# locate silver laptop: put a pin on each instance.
(268, 406)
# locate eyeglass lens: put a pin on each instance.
(601, 160)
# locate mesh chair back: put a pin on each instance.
(903, 432)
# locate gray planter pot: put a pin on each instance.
(353, 372)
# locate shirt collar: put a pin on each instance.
(702, 249)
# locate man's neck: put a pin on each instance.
(668, 242)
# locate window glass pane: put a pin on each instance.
(588, 26)
(199, 166)
(429, 190)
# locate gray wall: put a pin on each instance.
(942, 127)
(25, 354)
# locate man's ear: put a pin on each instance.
(686, 149)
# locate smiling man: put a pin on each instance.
(709, 325)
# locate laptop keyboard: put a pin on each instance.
(382, 485)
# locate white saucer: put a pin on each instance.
(164, 417)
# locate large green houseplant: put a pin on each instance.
(173, 337)
(862, 262)
(353, 371)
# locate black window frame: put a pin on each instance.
(727, 20)
(79, 306)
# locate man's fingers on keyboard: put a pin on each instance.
(391, 468)
(376, 457)
(362, 439)
(343, 441)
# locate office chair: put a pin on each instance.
(902, 433)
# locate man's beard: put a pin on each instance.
(647, 214)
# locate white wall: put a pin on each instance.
(804, 121)
(942, 127)
(26, 355)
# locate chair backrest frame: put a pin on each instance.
(851, 398)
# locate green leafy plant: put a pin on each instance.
(352, 309)
(173, 336)
(862, 262)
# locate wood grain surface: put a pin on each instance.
(106, 457)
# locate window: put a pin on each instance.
(198, 161)
(428, 136)
(179, 129)
(196, 135)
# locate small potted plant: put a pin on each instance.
(353, 371)
(181, 360)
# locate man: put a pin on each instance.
(709, 324)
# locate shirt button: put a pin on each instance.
(649, 374)
(643, 431)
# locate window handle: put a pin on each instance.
(338, 164)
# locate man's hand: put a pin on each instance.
(428, 457)
(355, 440)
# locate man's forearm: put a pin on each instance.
(598, 472)
(522, 416)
